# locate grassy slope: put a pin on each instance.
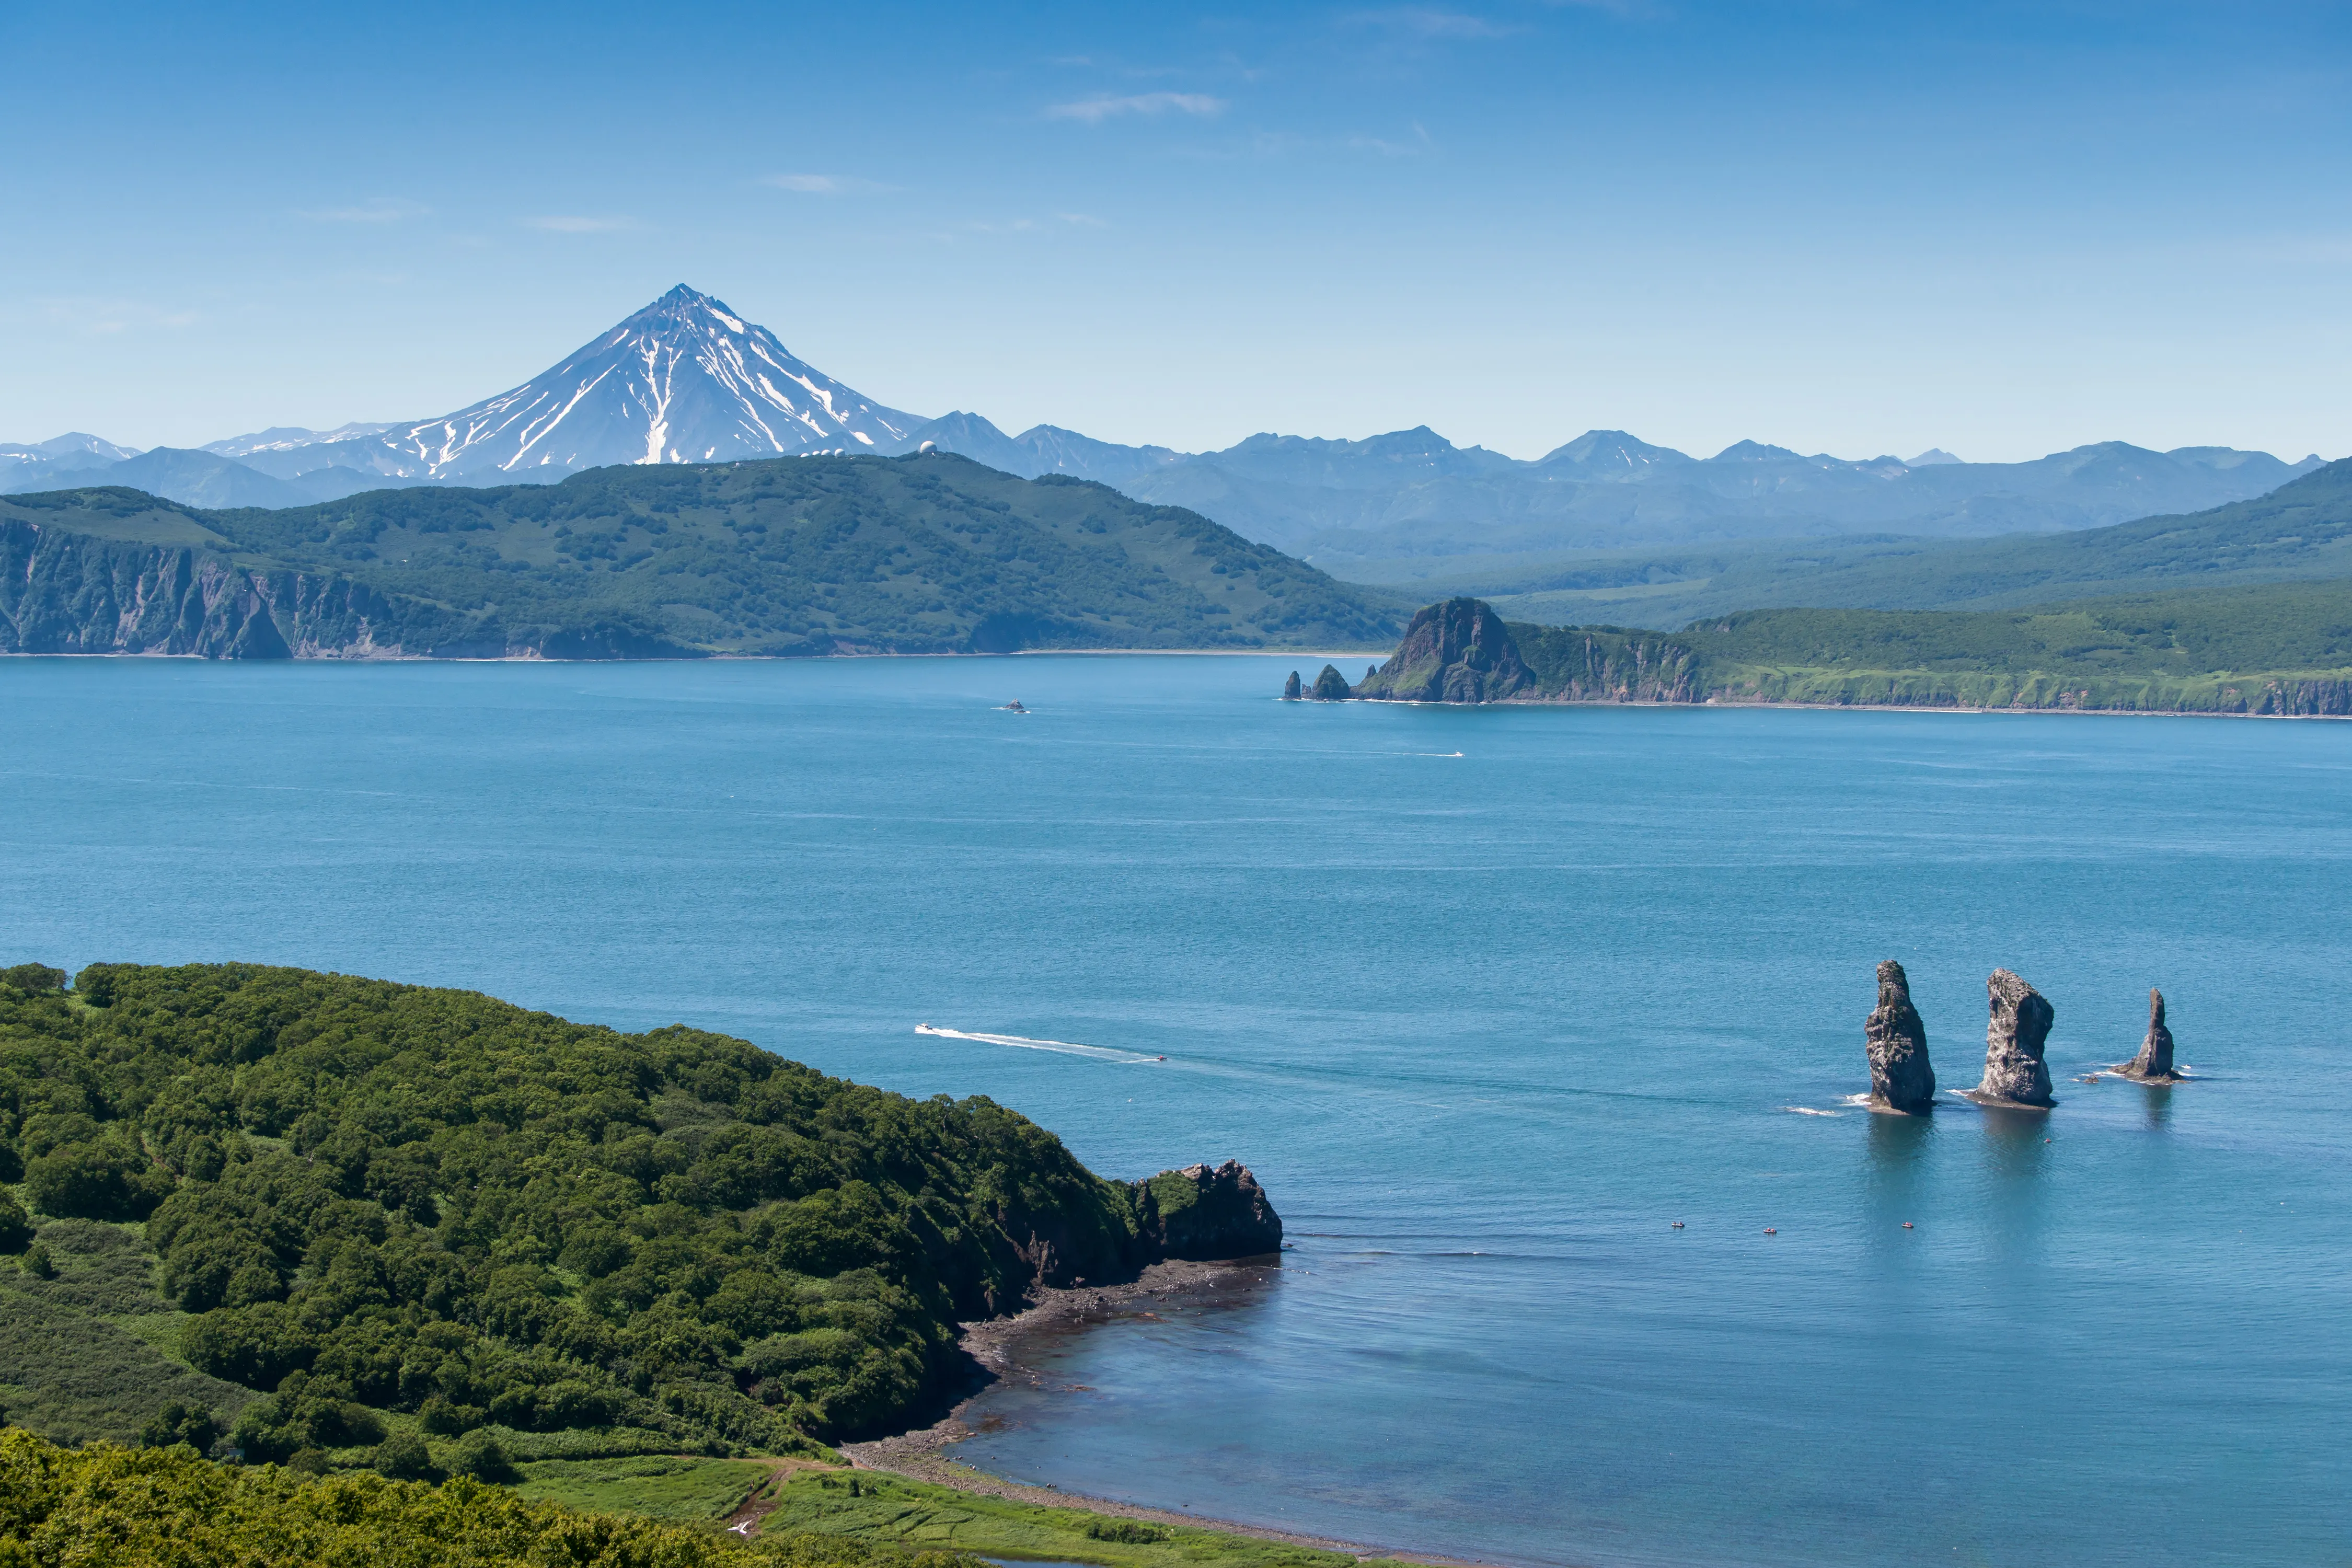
(664, 1485)
(2215, 651)
(793, 556)
(2301, 531)
(911, 1513)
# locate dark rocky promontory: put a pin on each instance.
(2154, 1063)
(1290, 691)
(2015, 1073)
(1900, 1076)
(1207, 1215)
(1331, 686)
(1456, 651)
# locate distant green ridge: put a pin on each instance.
(797, 556)
(2282, 650)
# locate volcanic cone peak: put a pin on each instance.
(2154, 1063)
(2015, 1073)
(1455, 651)
(1900, 1076)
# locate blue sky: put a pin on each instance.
(2000, 229)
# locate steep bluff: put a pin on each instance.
(66, 592)
(1455, 651)
(1901, 1078)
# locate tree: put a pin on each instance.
(181, 1422)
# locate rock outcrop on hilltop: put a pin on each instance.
(1456, 651)
(2015, 1073)
(1290, 690)
(1331, 686)
(1207, 1215)
(2154, 1063)
(1901, 1078)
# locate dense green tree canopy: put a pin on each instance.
(377, 1198)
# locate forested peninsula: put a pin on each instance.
(790, 556)
(2282, 650)
(344, 1222)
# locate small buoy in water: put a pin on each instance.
(1770, 1231)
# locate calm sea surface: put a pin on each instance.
(1486, 998)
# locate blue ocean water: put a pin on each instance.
(1488, 998)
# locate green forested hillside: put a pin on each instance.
(2300, 531)
(334, 1214)
(2283, 648)
(797, 556)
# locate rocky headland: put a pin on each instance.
(2154, 1063)
(1901, 1078)
(1455, 651)
(2015, 1074)
(1461, 650)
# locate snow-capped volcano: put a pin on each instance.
(685, 380)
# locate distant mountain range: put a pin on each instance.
(687, 380)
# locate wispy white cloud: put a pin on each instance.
(576, 225)
(1107, 106)
(375, 209)
(823, 185)
(1083, 220)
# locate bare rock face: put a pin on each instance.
(1207, 1215)
(2154, 1063)
(1290, 690)
(1900, 1077)
(2014, 1071)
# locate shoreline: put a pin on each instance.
(997, 1344)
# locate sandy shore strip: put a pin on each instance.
(998, 1345)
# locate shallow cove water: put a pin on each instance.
(1485, 1023)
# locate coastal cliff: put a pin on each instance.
(66, 592)
(1206, 1214)
(2081, 659)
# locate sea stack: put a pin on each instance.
(2154, 1063)
(1290, 690)
(1900, 1077)
(2014, 1071)
(1206, 1214)
(1331, 686)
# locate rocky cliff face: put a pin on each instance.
(70, 593)
(1457, 652)
(1290, 691)
(2154, 1063)
(1583, 664)
(1331, 686)
(1900, 1076)
(1206, 1214)
(2014, 1071)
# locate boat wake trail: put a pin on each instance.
(1067, 1048)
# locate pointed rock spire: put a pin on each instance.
(1290, 688)
(1331, 686)
(2154, 1063)
(1900, 1076)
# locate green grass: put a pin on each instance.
(911, 1513)
(662, 1486)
